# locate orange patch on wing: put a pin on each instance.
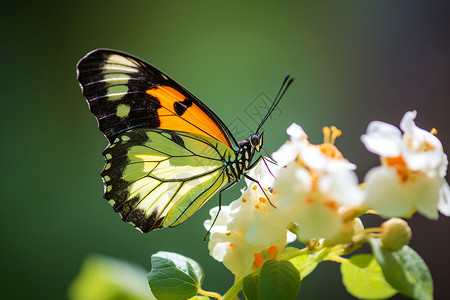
(193, 120)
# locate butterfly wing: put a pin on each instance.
(167, 149)
(125, 92)
(159, 178)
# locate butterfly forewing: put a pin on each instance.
(125, 92)
(158, 178)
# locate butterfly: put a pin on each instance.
(168, 152)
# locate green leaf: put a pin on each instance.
(278, 280)
(250, 287)
(106, 278)
(304, 263)
(404, 270)
(289, 252)
(174, 276)
(363, 278)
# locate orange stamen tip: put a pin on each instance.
(254, 187)
(228, 233)
(335, 133)
(395, 161)
(262, 200)
(309, 200)
(244, 200)
(434, 131)
(330, 150)
(257, 206)
(332, 204)
(272, 251)
(259, 260)
(231, 245)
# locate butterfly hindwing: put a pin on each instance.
(159, 178)
(125, 92)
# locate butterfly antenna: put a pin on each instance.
(284, 86)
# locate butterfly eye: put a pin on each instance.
(255, 140)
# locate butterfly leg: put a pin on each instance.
(257, 182)
(220, 207)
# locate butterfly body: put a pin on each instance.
(168, 152)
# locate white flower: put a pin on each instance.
(315, 184)
(289, 151)
(411, 177)
(248, 226)
(313, 202)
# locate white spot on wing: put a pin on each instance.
(120, 63)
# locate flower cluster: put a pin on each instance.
(247, 232)
(314, 192)
(411, 177)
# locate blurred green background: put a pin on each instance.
(354, 61)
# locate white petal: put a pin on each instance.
(444, 199)
(426, 191)
(264, 172)
(285, 154)
(407, 123)
(317, 160)
(393, 196)
(358, 224)
(342, 187)
(290, 237)
(239, 260)
(317, 220)
(384, 193)
(382, 139)
(267, 230)
(291, 186)
(295, 131)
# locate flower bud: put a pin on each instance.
(395, 234)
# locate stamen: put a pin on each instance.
(262, 200)
(335, 133)
(330, 150)
(326, 134)
(434, 131)
(228, 233)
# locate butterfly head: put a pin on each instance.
(256, 140)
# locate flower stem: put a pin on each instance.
(369, 230)
(210, 294)
(338, 259)
(234, 290)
